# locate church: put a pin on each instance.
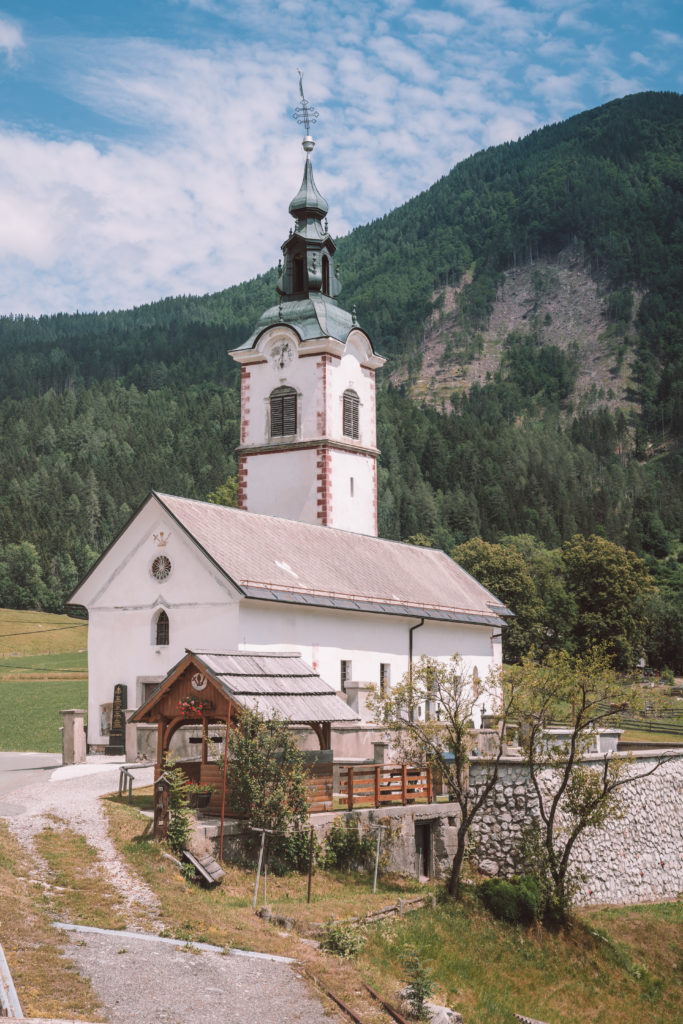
(297, 570)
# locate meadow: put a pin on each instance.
(43, 670)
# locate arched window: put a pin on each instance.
(282, 412)
(162, 629)
(351, 405)
(298, 274)
(326, 276)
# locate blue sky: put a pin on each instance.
(148, 149)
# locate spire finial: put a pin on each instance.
(305, 115)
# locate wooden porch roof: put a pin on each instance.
(278, 684)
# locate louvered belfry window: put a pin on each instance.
(351, 405)
(282, 412)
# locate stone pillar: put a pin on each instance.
(357, 698)
(380, 752)
(74, 746)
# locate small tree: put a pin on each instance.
(267, 773)
(179, 823)
(573, 793)
(449, 695)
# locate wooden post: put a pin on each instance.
(430, 787)
(310, 865)
(377, 771)
(161, 729)
(404, 783)
(349, 786)
(225, 776)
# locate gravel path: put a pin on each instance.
(141, 982)
(71, 797)
(152, 983)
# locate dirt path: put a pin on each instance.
(151, 982)
(71, 797)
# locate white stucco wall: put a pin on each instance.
(353, 492)
(325, 637)
(123, 600)
(283, 481)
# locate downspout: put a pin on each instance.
(410, 654)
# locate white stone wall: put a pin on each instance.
(635, 858)
(325, 637)
(123, 599)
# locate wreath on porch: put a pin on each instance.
(192, 706)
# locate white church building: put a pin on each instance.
(298, 567)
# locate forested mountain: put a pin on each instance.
(96, 409)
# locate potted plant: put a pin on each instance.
(198, 794)
(193, 707)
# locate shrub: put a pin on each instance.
(349, 849)
(515, 900)
(420, 985)
(292, 851)
(179, 819)
(343, 940)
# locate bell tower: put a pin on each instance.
(308, 442)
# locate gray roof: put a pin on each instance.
(274, 559)
(315, 317)
(276, 684)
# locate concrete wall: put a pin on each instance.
(635, 858)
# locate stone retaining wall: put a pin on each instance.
(635, 858)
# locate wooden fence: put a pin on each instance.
(374, 785)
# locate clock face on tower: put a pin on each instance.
(281, 355)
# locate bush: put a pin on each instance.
(515, 900)
(179, 818)
(420, 985)
(291, 852)
(343, 940)
(349, 849)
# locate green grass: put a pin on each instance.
(25, 633)
(29, 712)
(619, 965)
(70, 661)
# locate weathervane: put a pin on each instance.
(305, 114)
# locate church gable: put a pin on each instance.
(153, 562)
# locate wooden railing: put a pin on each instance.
(374, 785)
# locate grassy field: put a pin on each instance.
(29, 712)
(29, 633)
(618, 964)
(43, 670)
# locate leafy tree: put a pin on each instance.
(21, 583)
(608, 586)
(267, 773)
(448, 695)
(504, 572)
(573, 794)
(226, 494)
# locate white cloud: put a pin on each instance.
(11, 37)
(667, 38)
(189, 190)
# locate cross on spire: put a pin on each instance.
(305, 114)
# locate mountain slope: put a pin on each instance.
(547, 265)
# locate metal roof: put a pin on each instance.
(281, 684)
(272, 559)
(315, 317)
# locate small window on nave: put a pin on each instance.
(162, 630)
(283, 412)
(351, 407)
